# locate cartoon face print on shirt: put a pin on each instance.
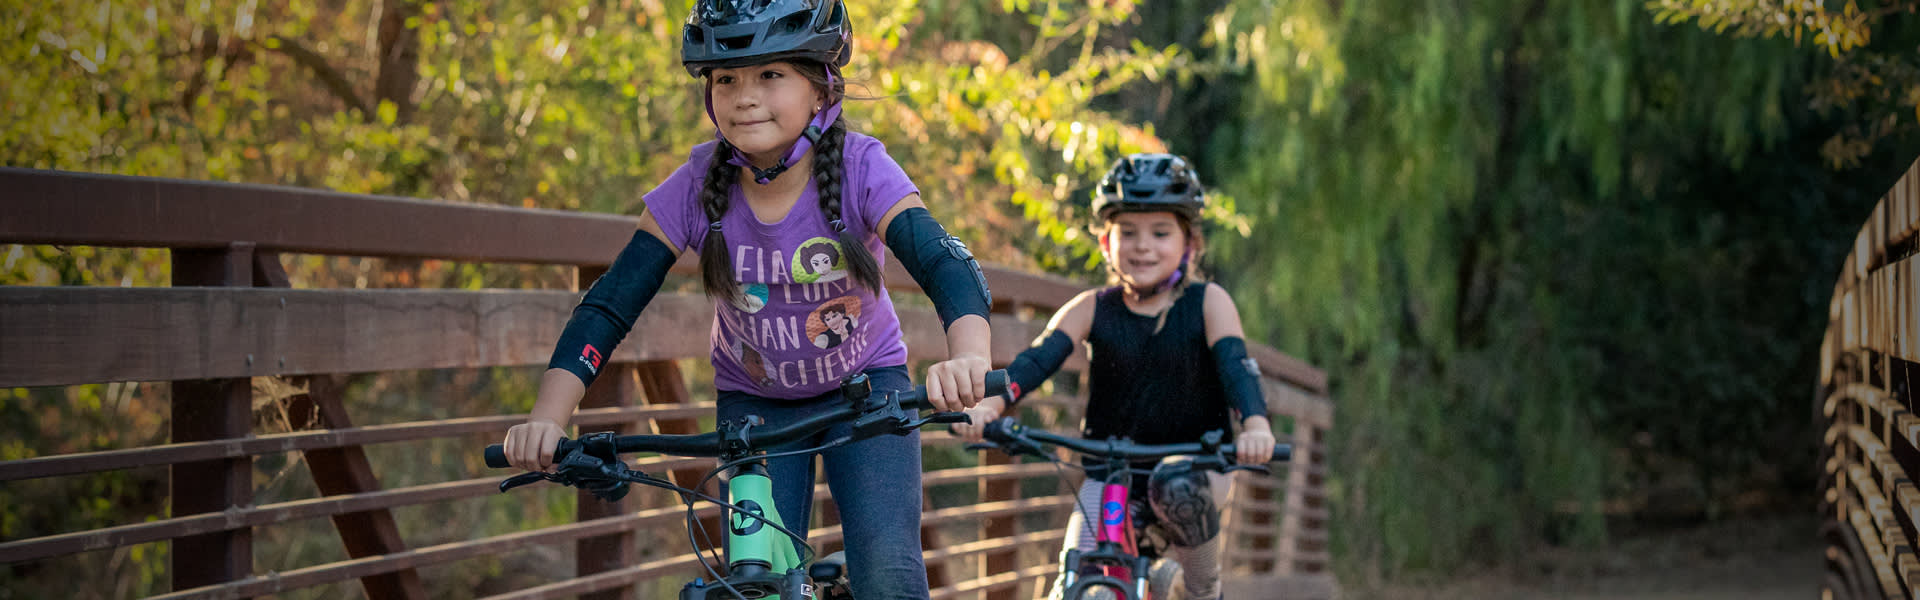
(834, 322)
(755, 365)
(818, 260)
(753, 297)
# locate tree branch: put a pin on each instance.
(329, 76)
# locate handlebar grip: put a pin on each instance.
(997, 382)
(497, 457)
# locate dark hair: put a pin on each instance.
(835, 307)
(829, 173)
(807, 252)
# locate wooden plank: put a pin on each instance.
(275, 583)
(88, 462)
(1050, 536)
(149, 334)
(345, 471)
(685, 563)
(256, 516)
(56, 207)
(208, 409)
(996, 582)
(92, 335)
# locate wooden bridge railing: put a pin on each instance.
(1869, 364)
(231, 316)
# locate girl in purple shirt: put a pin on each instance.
(788, 212)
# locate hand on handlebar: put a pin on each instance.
(530, 445)
(958, 383)
(982, 414)
(1254, 446)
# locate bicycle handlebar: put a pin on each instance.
(1012, 437)
(873, 413)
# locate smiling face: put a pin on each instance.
(1145, 247)
(835, 320)
(762, 109)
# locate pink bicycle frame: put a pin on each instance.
(1116, 525)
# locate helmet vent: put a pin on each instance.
(793, 23)
(739, 42)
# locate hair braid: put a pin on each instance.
(716, 267)
(829, 173)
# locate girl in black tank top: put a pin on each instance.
(1166, 362)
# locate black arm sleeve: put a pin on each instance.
(1035, 364)
(610, 307)
(1240, 375)
(941, 264)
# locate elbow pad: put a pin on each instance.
(1240, 376)
(1036, 363)
(610, 307)
(941, 264)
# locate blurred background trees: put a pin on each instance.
(1566, 263)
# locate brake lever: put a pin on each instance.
(523, 479)
(606, 479)
(1261, 469)
(950, 417)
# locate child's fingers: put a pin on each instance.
(950, 388)
(934, 391)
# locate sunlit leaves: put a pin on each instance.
(1884, 78)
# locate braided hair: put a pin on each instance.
(829, 172)
(715, 265)
(829, 177)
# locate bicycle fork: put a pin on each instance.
(762, 562)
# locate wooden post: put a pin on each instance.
(345, 470)
(999, 561)
(616, 386)
(1300, 496)
(212, 409)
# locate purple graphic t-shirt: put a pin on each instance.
(804, 323)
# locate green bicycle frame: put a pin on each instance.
(762, 562)
(750, 541)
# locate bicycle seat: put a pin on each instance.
(831, 566)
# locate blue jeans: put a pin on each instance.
(875, 483)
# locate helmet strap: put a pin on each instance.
(809, 138)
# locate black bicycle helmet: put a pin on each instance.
(1150, 182)
(732, 33)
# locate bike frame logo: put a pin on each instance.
(1112, 512)
(591, 357)
(743, 525)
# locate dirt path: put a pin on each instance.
(1759, 559)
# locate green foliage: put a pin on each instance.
(1555, 256)
(1872, 79)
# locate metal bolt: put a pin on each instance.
(249, 360)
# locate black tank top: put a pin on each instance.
(1154, 388)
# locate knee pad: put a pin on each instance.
(1182, 497)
